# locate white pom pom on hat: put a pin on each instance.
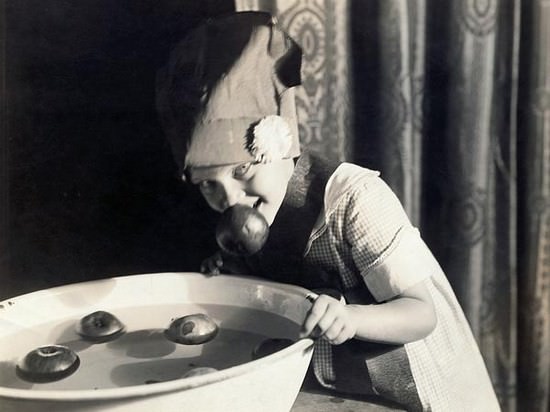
(227, 90)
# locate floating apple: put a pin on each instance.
(242, 230)
(48, 364)
(192, 329)
(269, 346)
(201, 370)
(100, 326)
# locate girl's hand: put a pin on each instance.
(330, 319)
(220, 262)
(213, 264)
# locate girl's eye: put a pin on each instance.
(242, 170)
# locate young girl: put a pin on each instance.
(389, 322)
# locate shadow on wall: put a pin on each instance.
(93, 190)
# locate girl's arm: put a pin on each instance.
(408, 317)
(369, 223)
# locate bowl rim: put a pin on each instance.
(303, 345)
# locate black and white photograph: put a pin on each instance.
(275, 205)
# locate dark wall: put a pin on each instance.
(93, 190)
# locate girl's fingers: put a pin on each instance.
(314, 315)
(333, 314)
(212, 264)
(333, 332)
(218, 260)
(320, 316)
(327, 318)
(312, 297)
(216, 264)
(345, 334)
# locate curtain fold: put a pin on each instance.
(451, 102)
(478, 206)
(534, 239)
(401, 44)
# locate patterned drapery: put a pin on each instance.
(450, 100)
(323, 101)
(534, 208)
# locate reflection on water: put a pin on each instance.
(229, 348)
(146, 343)
(9, 378)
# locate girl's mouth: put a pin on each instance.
(257, 203)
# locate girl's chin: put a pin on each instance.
(266, 211)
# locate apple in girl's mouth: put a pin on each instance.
(242, 230)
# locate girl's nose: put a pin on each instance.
(232, 194)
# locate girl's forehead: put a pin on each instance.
(198, 174)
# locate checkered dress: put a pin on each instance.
(365, 236)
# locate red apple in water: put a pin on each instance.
(48, 364)
(100, 326)
(192, 329)
(242, 230)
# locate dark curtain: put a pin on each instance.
(450, 100)
(88, 186)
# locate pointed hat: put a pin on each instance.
(226, 94)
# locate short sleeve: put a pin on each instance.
(386, 249)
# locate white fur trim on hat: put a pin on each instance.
(271, 140)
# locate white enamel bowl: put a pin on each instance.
(145, 303)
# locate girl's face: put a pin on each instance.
(258, 185)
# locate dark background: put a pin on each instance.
(90, 189)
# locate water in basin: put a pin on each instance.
(143, 355)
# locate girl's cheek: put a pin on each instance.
(213, 201)
(270, 187)
(259, 184)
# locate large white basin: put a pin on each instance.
(112, 376)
